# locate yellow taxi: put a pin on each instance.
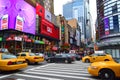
(30, 57)
(9, 62)
(97, 57)
(106, 70)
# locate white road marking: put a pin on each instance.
(20, 79)
(38, 77)
(5, 76)
(58, 75)
(62, 72)
(72, 69)
(39, 67)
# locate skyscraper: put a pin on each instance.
(78, 9)
(108, 18)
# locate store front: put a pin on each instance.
(111, 46)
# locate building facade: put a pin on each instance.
(27, 26)
(75, 9)
(63, 29)
(49, 5)
(88, 25)
(109, 26)
(79, 9)
(74, 34)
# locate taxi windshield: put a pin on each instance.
(32, 54)
(8, 56)
(117, 60)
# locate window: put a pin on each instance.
(117, 53)
(23, 54)
(32, 54)
(114, 8)
(8, 56)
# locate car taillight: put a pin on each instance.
(10, 63)
(35, 58)
(24, 62)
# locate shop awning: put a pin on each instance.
(39, 42)
(54, 48)
(0, 38)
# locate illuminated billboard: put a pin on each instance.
(17, 15)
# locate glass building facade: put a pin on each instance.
(75, 9)
(108, 15)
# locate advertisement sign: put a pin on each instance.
(19, 23)
(46, 28)
(1, 38)
(49, 29)
(14, 8)
(106, 26)
(48, 16)
(18, 38)
(40, 10)
(62, 29)
(4, 22)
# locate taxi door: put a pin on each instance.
(94, 58)
(22, 56)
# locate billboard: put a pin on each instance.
(4, 22)
(106, 26)
(49, 29)
(48, 16)
(40, 10)
(19, 15)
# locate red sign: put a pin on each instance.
(49, 29)
(40, 10)
(19, 23)
(28, 40)
(54, 48)
(4, 22)
(10, 38)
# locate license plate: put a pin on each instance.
(19, 62)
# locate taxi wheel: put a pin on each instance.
(106, 60)
(107, 74)
(87, 61)
(36, 62)
(28, 61)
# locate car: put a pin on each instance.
(9, 62)
(97, 57)
(40, 54)
(30, 57)
(106, 70)
(75, 56)
(66, 58)
(47, 56)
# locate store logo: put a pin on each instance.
(49, 30)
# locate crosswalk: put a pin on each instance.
(56, 71)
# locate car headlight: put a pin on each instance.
(93, 67)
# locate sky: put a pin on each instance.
(58, 8)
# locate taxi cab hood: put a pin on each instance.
(104, 63)
(14, 59)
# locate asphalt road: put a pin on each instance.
(51, 71)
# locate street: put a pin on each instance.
(52, 71)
